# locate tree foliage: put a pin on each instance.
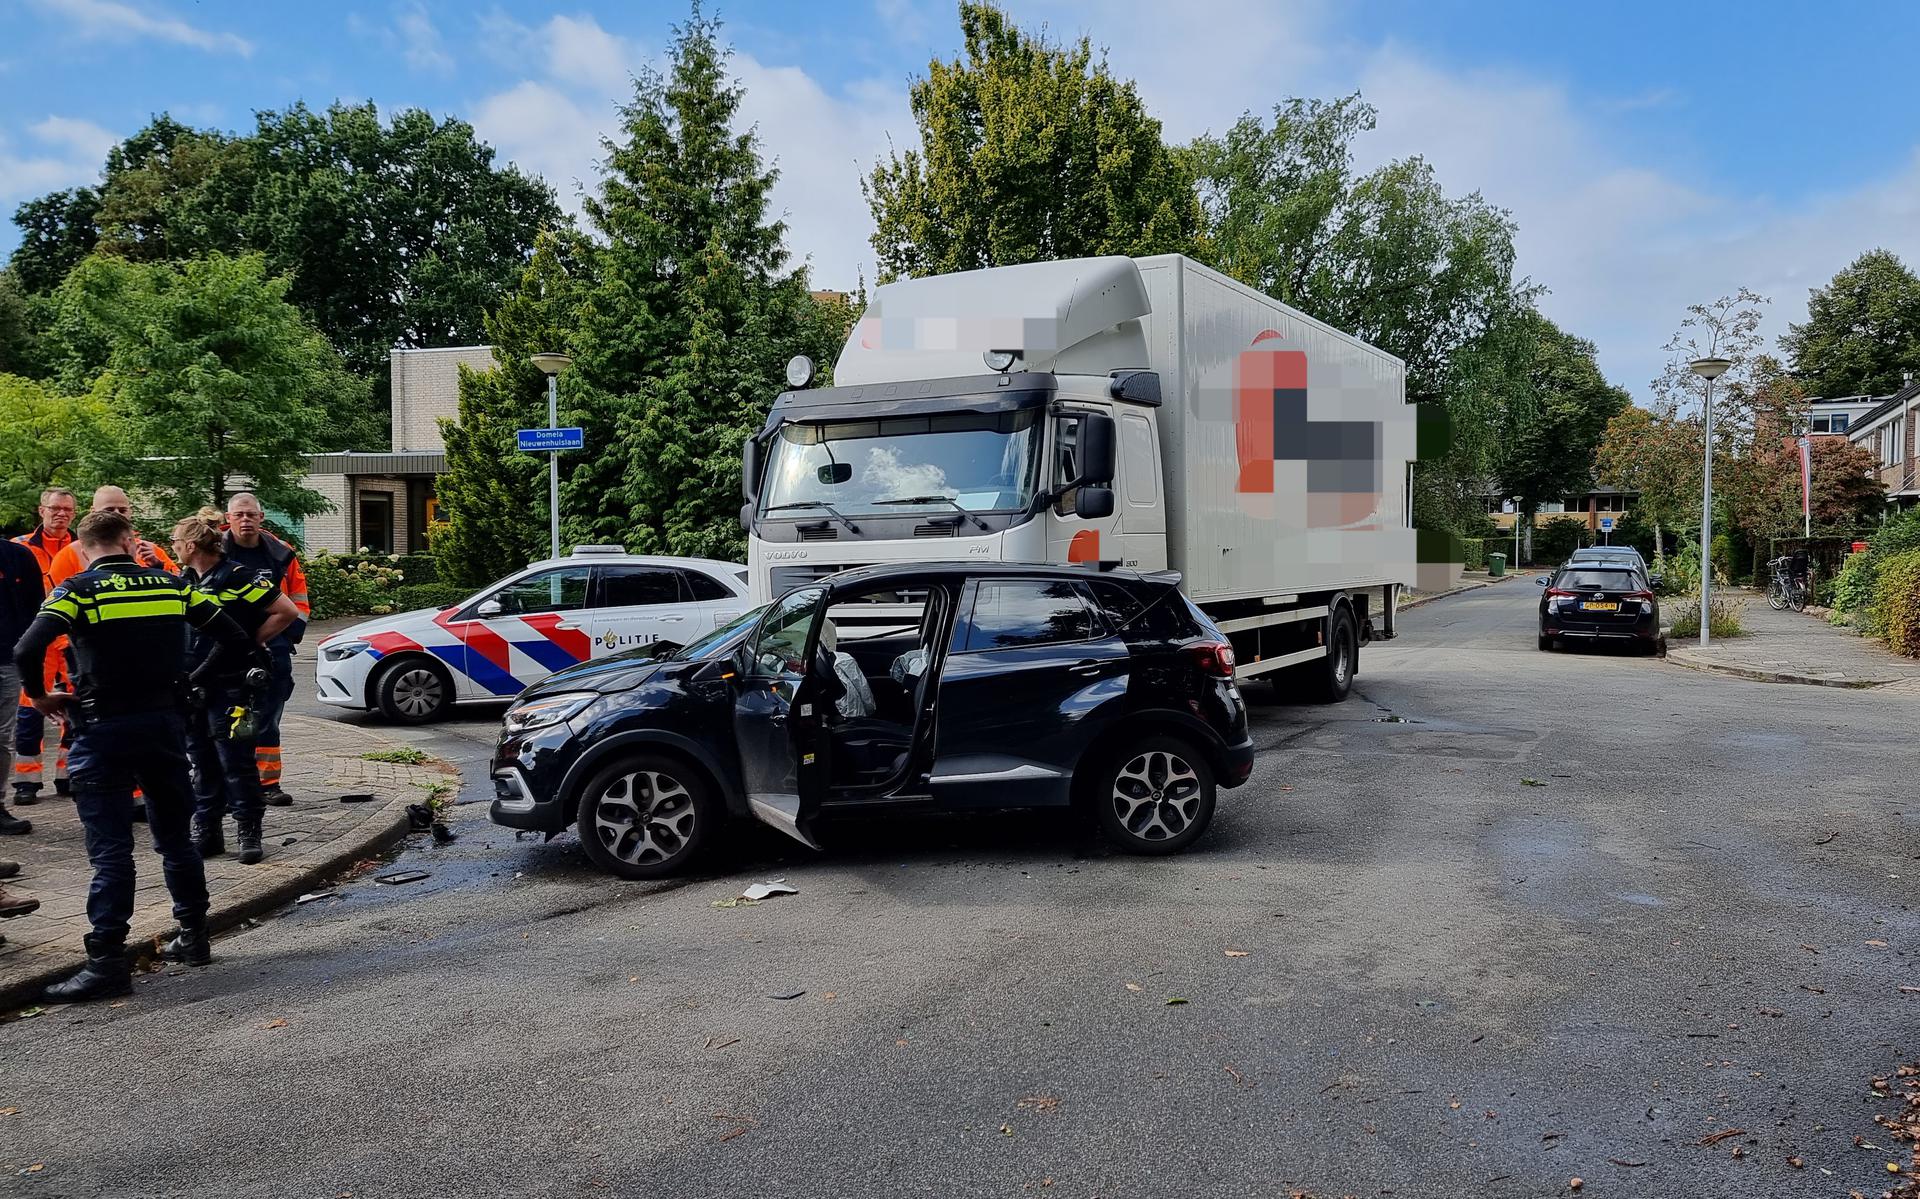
(215, 381)
(1862, 330)
(688, 319)
(46, 439)
(1029, 150)
(1549, 444)
(56, 231)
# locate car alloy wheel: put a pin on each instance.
(1156, 795)
(644, 818)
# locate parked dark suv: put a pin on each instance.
(946, 686)
(1600, 601)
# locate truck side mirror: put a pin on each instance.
(1093, 503)
(1097, 448)
(750, 469)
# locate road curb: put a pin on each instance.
(1406, 605)
(1682, 658)
(273, 888)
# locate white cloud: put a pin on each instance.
(110, 21)
(822, 142)
(69, 151)
(420, 41)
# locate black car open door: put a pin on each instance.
(779, 716)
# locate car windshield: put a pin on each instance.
(705, 647)
(978, 461)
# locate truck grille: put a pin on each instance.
(819, 532)
(938, 529)
(782, 579)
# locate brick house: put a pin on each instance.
(1888, 430)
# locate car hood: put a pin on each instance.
(619, 672)
(398, 622)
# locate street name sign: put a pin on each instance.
(540, 441)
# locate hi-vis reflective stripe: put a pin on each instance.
(138, 609)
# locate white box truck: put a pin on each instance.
(1142, 413)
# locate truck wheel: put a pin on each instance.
(1333, 675)
(646, 816)
(1154, 796)
(412, 690)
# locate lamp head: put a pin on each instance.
(1710, 368)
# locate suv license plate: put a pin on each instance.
(1593, 606)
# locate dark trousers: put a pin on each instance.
(272, 706)
(111, 756)
(226, 778)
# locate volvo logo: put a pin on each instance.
(785, 555)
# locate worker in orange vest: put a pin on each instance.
(52, 535)
(67, 562)
(249, 544)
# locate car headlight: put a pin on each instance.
(548, 709)
(340, 651)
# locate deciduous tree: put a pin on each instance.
(1029, 150)
(1862, 331)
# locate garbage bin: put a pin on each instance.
(1497, 565)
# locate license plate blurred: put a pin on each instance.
(1600, 606)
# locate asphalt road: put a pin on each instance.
(1454, 983)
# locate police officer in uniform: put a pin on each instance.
(224, 718)
(128, 626)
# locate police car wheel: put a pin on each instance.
(412, 691)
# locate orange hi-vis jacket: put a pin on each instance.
(67, 564)
(46, 547)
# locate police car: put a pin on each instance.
(600, 601)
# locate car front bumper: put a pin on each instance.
(343, 683)
(527, 771)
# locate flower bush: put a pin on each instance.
(351, 585)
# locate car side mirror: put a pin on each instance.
(1098, 458)
(488, 608)
(1655, 580)
(1542, 580)
(1093, 503)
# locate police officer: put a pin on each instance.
(249, 544)
(220, 741)
(128, 625)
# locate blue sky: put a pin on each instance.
(1650, 159)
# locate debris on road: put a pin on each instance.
(1236, 953)
(1176, 1001)
(722, 1045)
(790, 995)
(273, 1024)
(1135, 987)
(1038, 1103)
(1717, 1137)
(312, 896)
(1829, 837)
(401, 876)
(777, 886)
(358, 797)
(1531, 783)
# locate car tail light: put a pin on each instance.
(1640, 595)
(1215, 658)
(1561, 593)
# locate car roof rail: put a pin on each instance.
(588, 551)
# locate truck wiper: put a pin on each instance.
(939, 499)
(829, 508)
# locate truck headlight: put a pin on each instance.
(340, 651)
(547, 710)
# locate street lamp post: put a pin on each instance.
(552, 365)
(1708, 369)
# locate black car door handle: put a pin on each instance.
(1090, 667)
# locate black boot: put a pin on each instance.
(9, 869)
(105, 975)
(63, 787)
(189, 946)
(13, 826)
(25, 795)
(274, 797)
(248, 837)
(208, 837)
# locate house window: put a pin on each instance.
(1839, 422)
(1820, 425)
(376, 522)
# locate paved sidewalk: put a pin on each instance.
(316, 837)
(1798, 647)
(1471, 580)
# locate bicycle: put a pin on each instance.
(1785, 590)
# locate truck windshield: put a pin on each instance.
(976, 461)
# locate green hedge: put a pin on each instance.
(1896, 602)
(428, 595)
(1473, 553)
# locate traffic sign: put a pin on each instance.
(540, 441)
(1606, 524)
